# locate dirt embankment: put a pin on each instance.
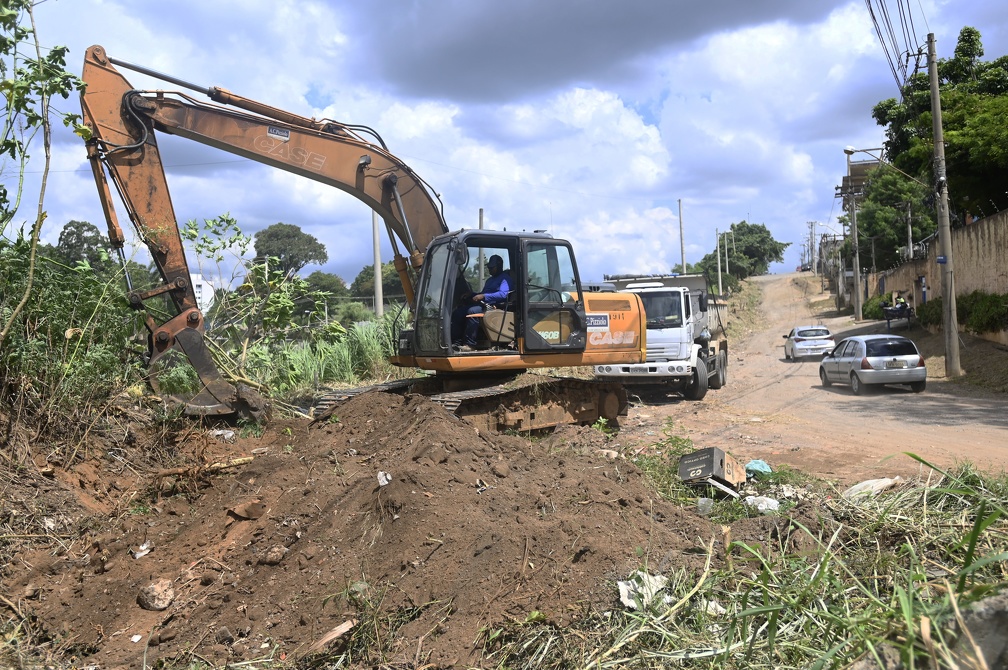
(398, 506)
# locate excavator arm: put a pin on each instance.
(123, 150)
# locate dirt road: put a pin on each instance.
(776, 410)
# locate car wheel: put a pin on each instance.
(787, 356)
(823, 378)
(855, 384)
(917, 387)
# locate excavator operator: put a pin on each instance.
(465, 318)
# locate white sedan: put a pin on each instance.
(807, 341)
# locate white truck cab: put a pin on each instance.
(682, 353)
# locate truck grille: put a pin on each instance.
(663, 351)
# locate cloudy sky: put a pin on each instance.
(592, 120)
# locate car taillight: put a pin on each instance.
(799, 339)
(830, 338)
(865, 365)
(920, 362)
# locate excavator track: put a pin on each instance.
(522, 403)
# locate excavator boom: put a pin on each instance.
(123, 149)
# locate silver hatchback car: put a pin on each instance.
(874, 359)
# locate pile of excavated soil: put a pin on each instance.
(397, 506)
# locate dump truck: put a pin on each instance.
(687, 349)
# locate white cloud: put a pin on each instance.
(594, 133)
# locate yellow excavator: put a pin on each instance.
(548, 320)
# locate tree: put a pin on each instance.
(30, 80)
(882, 216)
(82, 241)
(291, 246)
(331, 286)
(691, 268)
(329, 283)
(974, 98)
(751, 250)
(363, 283)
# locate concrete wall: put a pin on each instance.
(979, 262)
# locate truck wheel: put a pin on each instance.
(697, 388)
(718, 379)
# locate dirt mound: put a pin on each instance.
(393, 505)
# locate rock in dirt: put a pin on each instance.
(274, 555)
(156, 596)
(224, 636)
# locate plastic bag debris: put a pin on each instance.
(640, 590)
(763, 504)
(757, 467)
(872, 487)
(143, 550)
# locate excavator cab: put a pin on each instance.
(543, 311)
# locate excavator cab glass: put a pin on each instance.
(554, 314)
(540, 311)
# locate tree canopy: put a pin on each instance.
(751, 250)
(82, 241)
(363, 283)
(974, 99)
(291, 246)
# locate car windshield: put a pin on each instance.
(891, 348)
(813, 333)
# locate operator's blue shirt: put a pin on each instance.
(496, 289)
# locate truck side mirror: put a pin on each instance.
(461, 255)
(703, 302)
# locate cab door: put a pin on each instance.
(554, 313)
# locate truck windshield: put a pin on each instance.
(663, 310)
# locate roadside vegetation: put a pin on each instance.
(830, 579)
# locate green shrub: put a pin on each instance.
(71, 343)
(930, 313)
(872, 308)
(981, 312)
(977, 312)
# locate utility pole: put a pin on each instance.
(811, 247)
(950, 322)
(717, 234)
(379, 299)
(726, 270)
(854, 238)
(682, 240)
(910, 253)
